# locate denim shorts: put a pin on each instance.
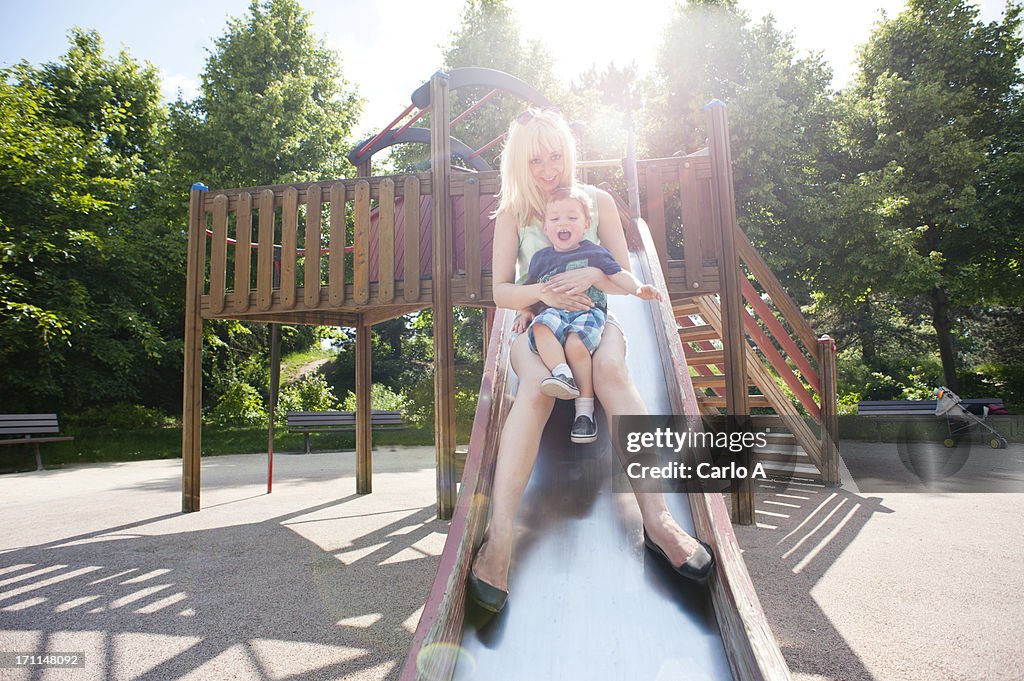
(587, 324)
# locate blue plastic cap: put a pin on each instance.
(201, 187)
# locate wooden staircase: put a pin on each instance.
(722, 288)
(794, 447)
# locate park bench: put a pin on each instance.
(307, 422)
(901, 409)
(33, 429)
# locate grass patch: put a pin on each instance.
(104, 445)
(292, 363)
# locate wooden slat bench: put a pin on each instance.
(307, 422)
(882, 409)
(25, 429)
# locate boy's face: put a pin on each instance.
(565, 221)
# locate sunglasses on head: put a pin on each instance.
(530, 114)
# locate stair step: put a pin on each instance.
(703, 358)
(717, 381)
(795, 455)
(699, 332)
(685, 307)
(792, 470)
(779, 438)
(752, 401)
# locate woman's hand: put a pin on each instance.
(570, 302)
(573, 281)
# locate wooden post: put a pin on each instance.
(411, 208)
(364, 385)
(191, 412)
(364, 342)
(733, 337)
(444, 334)
(829, 410)
(275, 388)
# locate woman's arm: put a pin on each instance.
(507, 293)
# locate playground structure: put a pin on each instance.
(423, 240)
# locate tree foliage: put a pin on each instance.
(779, 115)
(928, 126)
(88, 258)
(273, 108)
(273, 105)
(488, 36)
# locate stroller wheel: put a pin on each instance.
(996, 443)
(948, 443)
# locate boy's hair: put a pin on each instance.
(572, 193)
(540, 130)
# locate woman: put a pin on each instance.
(539, 157)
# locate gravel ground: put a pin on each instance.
(315, 582)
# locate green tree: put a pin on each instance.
(273, 108)
(924, 128)
(779, 119)
(273, 105)
(87, 263)
(488, 36)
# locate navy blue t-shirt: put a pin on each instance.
(547, 262)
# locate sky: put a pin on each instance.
(388, 48)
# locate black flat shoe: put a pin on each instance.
(687, 570)
(487, 596)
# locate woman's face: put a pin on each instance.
(547, 168)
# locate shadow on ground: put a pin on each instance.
(257, 598)
(802, 528)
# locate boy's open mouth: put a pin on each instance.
(564, 235)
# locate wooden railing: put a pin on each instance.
(342, 246)
(794, 368)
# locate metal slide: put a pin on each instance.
(587, 600)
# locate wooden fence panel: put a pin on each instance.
(411, 214)
(243, 251)
(336, 258)
(265, 254)
(219, 254)
(386, 241)
(361, 244)
(471, 222)
(311, 284)
(289, 235)
(655, 213)
(693, 241)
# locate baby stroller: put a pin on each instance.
(960, 420)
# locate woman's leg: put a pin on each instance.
(517, 452)
(618, 395)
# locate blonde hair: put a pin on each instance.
(543, 130)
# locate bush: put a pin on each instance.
(995, 380)
(240, 405)
(311, 393)
(120, 416)
(381, 397)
